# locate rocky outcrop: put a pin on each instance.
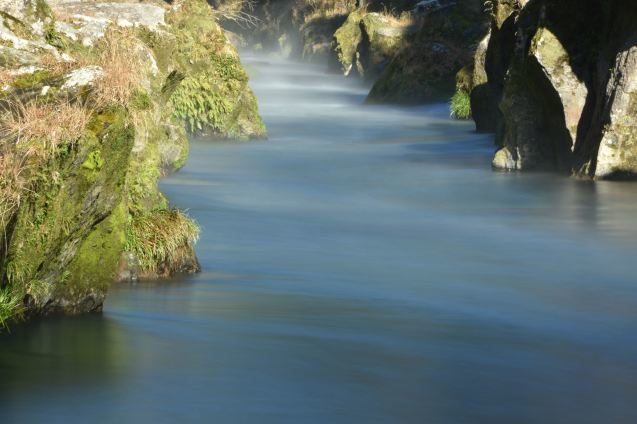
(564, 92)
(425, 67)
(95, 103)
(367, 42)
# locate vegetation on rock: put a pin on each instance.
(213, 96)
(88, 125)
(460, 105)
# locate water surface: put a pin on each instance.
(363, 265)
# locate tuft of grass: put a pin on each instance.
(40, 128)
(161, 237)
(460, 105)
(10, 306)
(122, 65)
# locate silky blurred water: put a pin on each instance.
(363, 265)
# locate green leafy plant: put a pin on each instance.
(200, 104)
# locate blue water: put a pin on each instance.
(363, 265)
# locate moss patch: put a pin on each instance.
(214, 97)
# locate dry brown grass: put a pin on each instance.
(237, 11)
(31, 133)
(398, 19)
(6, 77)
(120, 59)
(57, 66)
(327, 9)
(39, 129)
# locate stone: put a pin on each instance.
(503, 160)
(82, 77)
(617, 155)
(565, 94)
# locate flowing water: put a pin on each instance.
(364, 265)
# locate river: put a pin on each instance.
(363, 265)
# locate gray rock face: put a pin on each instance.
(484, 100)
(564, 92)
(618, 148)
(92, 19)
(17, 8)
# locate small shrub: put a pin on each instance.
(237, 11)
(460, 105)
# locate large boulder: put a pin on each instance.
(424, 68)
(564, 92)
(367, 42)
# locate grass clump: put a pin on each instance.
(10, 306)
(460, 105)
(327, 9)
(162, 237)
(41, 128)
(122, 66)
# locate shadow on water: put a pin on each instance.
(49, 357)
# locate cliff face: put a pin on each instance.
(560, 89)
(95, 103)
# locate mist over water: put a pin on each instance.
(363, 265)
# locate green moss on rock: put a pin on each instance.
(213, 97)
(63, 224)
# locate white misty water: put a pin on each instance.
(362, 265)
